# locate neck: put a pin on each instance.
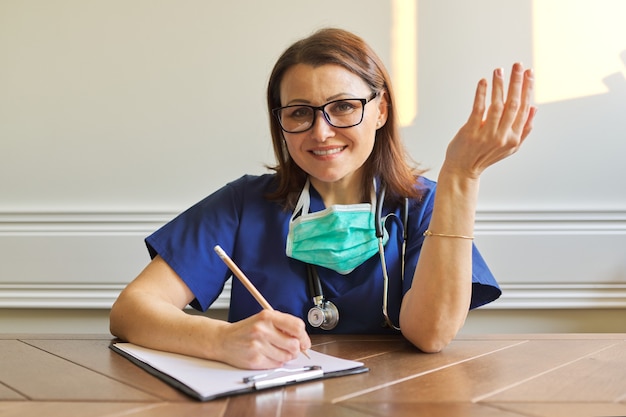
(339, 192)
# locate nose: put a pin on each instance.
(321, 129)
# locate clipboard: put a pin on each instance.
(207, 380)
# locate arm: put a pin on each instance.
(436, 306)
(149, 312)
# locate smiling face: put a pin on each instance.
(333, 157)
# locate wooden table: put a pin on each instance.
(495, 375)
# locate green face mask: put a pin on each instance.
(340, 237)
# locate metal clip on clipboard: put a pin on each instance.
(284, 376)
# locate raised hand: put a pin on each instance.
(492, 134)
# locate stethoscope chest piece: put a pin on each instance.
(325, 316)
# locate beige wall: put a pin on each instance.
(116, 115)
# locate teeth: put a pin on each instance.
(327, 151)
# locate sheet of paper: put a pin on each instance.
(211, 378)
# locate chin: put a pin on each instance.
(329, 178)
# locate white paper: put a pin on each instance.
(210, 378)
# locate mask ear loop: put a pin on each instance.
(303, 203)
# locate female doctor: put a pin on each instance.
(344, 224)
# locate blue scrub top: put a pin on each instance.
(253, 231)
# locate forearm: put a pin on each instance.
(149, 312)
(146, 321)
(435, 307)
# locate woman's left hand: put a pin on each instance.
(436, 306)
(485, 140)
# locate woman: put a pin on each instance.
(336, 141)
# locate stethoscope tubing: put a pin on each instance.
(314, 283)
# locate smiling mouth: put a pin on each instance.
(325, 152)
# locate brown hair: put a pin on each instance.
(388, 161)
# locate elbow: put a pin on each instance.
(113, 323)
(428, 339)
(432, 346)
(116, 321)
(428, 343)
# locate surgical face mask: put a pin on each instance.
(340, 237)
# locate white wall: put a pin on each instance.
(116, 115)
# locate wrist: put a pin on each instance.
(455, 203)
(458, 180)
(210, 337)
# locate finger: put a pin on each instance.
(278, 346)
(497, 101)
(285, 347)
(515, 84)
(250, 344)
(497, 94)
(513, 106)
(519, 125)
(478, 110)
(529, 122)
(267, 355)
(294, 328)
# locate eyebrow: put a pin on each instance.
(337, 96)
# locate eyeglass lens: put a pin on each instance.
(338, 113)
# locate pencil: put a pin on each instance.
(246, 282)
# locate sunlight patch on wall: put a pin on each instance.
(577, 43)
(404, 58)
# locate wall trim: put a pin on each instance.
(551, 221)
(86, 222)
(559, 295)
(515, 296)
(487, 221)
(73, 296)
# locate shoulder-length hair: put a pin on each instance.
(389, 162)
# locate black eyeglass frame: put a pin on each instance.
(364, 101)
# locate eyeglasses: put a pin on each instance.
(338, 113)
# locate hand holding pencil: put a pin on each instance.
(246, 283)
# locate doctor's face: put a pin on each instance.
(327, 153)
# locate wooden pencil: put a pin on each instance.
(246, 282)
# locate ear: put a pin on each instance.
(383, 109)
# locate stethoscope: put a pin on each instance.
(324, 314)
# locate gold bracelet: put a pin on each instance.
(429, 233)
